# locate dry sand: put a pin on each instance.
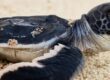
(97, 67)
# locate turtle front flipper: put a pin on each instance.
(59, 64)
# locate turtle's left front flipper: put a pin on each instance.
(59, 64)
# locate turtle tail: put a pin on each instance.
(83, 36)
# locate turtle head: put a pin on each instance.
(93, 29)
(99, 19)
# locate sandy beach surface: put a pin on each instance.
(97, 67)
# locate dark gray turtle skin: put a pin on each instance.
(62, 39)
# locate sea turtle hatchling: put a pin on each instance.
(54, 41)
